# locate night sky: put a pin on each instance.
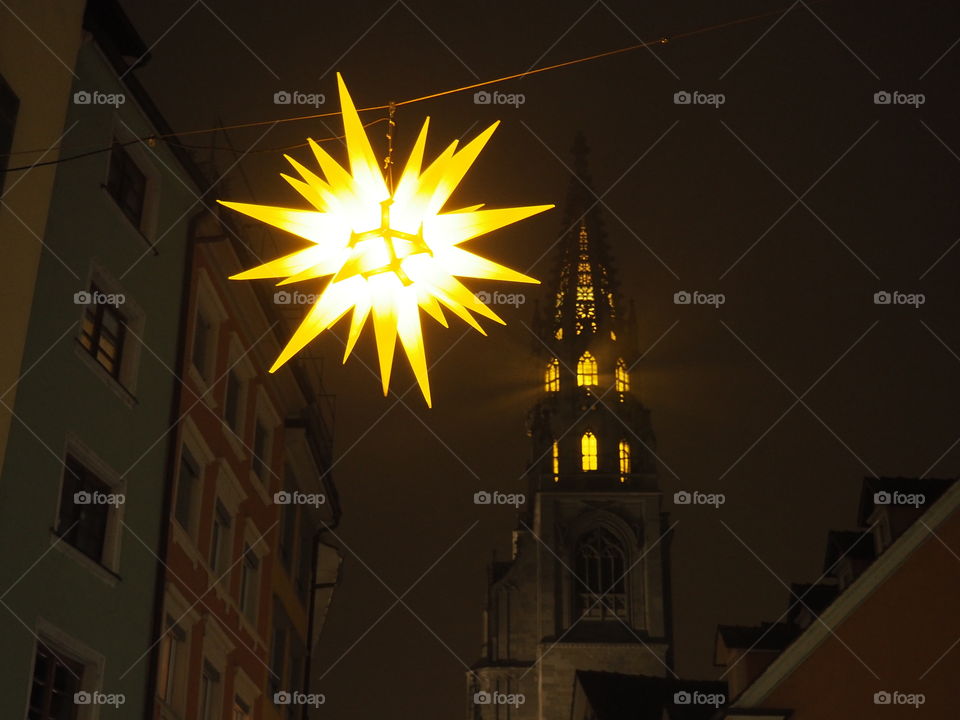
(798, 199)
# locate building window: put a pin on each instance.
(624, 452)
(241, 710)
(249, 582)
(9, 107)
(556, 461)
(588, 451)
(55, 680)
(172, 664)
(622, 377)
(305, 561)
(232, 401)
(261, 451)
(84, 514)
(204, 345)
(188, 485)
(220, 539)
(103, 332)
(288, 522)
(127, 184)
(601, 587)
(209, 693)
(587, 370)
(278, 648)
(552, 377)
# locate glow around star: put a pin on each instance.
(389, 253)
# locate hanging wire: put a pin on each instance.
(390, 107)
(388, 160)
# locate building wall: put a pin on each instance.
(41, 78)
(105, 615)
(899, 632)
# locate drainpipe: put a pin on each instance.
(172, 442)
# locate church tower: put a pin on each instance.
(588, 586)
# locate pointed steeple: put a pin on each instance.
(583, 289)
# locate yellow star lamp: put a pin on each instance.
(390, 250)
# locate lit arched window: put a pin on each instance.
(624, 459)
(600, 582)
(588, 451)
(556, 461)
(622, 376)
(587, 370)
(552, 377)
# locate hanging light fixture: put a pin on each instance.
(390, 250)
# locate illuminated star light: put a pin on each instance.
(389, 253)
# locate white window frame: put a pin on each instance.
(141, 157)
(238, 363)
(192, 439)
(206, 303)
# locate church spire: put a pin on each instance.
(583, 289)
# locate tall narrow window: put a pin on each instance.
(55, 680)
(249, 582)
(9, 107)
(169, 677)
(624, 459)
(209, 692)
(587, 370)
(261, 450)
(187, 485)
(231, 404)
(83, 521)
(600, 582)
(552, 376)
(203, 344)
(622, 377)
(588, 451)
(127, 184)
(103, 332)
(556, 461)
(220, 539)
(241, 710)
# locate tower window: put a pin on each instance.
(601, 587)
(624, 452)
(588, 451)
(552, 376)
(622, 376)
(556, 461)
(587, 370)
